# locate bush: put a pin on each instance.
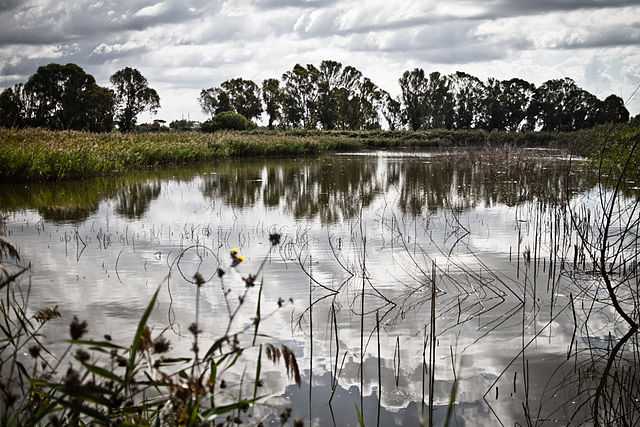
(228, 120)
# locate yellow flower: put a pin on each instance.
(235, 257)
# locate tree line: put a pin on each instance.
(65, 97)
(330, 96)
(333, 96)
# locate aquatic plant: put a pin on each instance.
(96, 381)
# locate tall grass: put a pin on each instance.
(36, 154)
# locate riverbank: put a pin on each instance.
(36, 154)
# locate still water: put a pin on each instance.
(364, 237)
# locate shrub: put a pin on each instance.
(227, 120)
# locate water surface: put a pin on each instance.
(368, 230)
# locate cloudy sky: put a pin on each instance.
(182, 46)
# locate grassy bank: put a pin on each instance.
(36, 154)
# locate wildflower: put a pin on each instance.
(161, 345)
(199, 279)
(274, 238)
(72, 380)
(146, 343)
(280, 302)
(236, 258)
(82, 356)
(77, 329)
(46, 314)
(34, 351)
(193, 328)
(249, 281)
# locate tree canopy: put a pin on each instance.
(132, 96)
(327, 96)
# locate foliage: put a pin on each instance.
(35, 154)
(58, 97)
(272, 97)
(235, 95)
(96, 381)
(227, 120)
(182, 125)
(132, 96)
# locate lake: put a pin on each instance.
(429, 278)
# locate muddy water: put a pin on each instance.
(364, 239)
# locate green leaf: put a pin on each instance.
(360, 416)
(137, 339)
(105, 373)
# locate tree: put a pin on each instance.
(301, 96)
(391, 109)
(214, 101)
(414, 93)
(507, 104)
(182, 125)
(13, 107)
(440, 102)
(227, 120)
(612, 110)
(133, 96)
(244, 97)
(272, 97)
(329, 84)
(469, 94)
(516, 98)
(100, 106)
(59, 96)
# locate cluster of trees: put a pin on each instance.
(333, 96)
(330, 96)
(64, 97)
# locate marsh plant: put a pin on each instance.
(97, 381)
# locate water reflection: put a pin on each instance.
(330, 188)
(133, 227)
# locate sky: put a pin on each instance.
(183, 46)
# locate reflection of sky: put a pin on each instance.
(84, 281)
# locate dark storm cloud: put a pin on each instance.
(6, 5)
(58, 22)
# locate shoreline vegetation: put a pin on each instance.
(38, 154)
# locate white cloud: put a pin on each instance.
(184, 46)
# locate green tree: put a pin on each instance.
(516, 98)
(133, 96)
(301, 96)
(227, 120)
(391, 110)
(272, 97)
(507, 104)
(244, 97)
(329, 84)
(440, 102)
(58, 95)
(612, 110)
(414, 86)
(182, 125)
(214, 101)
(13, 108)
(560, 105)
(100, 108)
(469, 94)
